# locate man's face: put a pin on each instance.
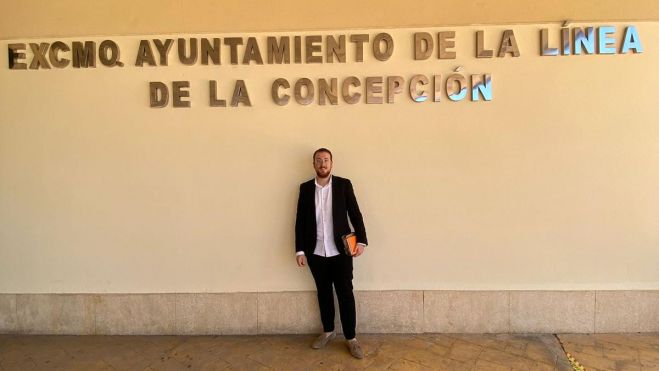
(322, 163)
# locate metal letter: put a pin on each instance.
(240, 94)
(278, 99)
(445, 41)
(308, 85)
(279, 52)
(480, 51)
(373, 86)
(605, 42)
(631, 41)
(209, 51)
(415, 94)
(359, 40)
(330, 91)
(53, 54)
(84, 56)
(311, 46)
(145, 54)
(178, 93)
(345, 90)
(423, 46)
(456, 94)
(15, 52)
(544, 44)
(437, 82)
(394, 86)
(252, 52)
(233, 43)
(508, 44)
(335, 48)
(187, 60)
(298, 49)
(158, 94)
(587, 40)
(113, 59)
(163, 49)
(388, 42)
(565, 41)
(214, 102)
(39, 56)
(481, 85)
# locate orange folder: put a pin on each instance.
(350, 244)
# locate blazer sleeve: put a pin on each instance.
(299, 222)
(355, 215)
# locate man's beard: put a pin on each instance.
(321, 176)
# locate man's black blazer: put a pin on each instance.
(344, 205)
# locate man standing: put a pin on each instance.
(323, 208)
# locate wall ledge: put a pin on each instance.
(399, 311)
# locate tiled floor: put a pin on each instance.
(394, 352)
(614, 351)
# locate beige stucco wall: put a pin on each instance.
(552, 185)
(36, 18)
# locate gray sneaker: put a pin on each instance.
(355, 349)
(323, 339)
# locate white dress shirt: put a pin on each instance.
(325, 245)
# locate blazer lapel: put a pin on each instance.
(336, 185)
(312, 202)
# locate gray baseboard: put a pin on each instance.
(405, 311)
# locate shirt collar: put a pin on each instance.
(315, 180)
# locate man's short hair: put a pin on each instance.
(319, 150)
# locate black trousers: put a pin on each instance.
(336, 271)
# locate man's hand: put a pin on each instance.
(360, 250)
(301, 260)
